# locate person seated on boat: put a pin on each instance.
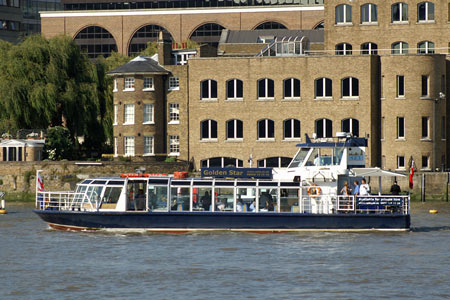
(395, 189)
(174, 204)
(221, 204)
(253, 206)
(140, 200)
(364, 188)
(269, 205)
(355, 191)
(205, 201)
(239, 204)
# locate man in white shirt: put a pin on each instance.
(364, 188)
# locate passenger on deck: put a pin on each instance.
(269, 205)
(356, 190)
(253, 206)
(364, 188)
(346, 191)
(221, 204)
(205, 201)
(239, 204)
(140, 200)
(395, 189)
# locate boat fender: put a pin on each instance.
(3, 211)
(314, 190)
(433, 211)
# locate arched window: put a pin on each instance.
(343, 14)
(207, 33)
(208, 89)
(144, 35)
(265, 88)
(350, 125)
(425, 47)
(343, 49)
(235, 130)
(425, 12)
(319, 26)
(96, 41)
(274, 162)
(221, 162)
(291, 129)
(235, 89)
(323, 88)
(324, 128)
(400, 48)
(369, 48)
(208, 130)
(291, 88)
(266, 129)
(270, 25)
(350, 87)
(399, 12)
(369, 13)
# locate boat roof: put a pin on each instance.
(377, 172)
(349, 142)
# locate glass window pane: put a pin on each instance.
(180, 199)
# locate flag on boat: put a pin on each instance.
(411, 174)
(39, 182)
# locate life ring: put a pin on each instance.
(314, 191)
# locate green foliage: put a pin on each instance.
(152, 49)
(170, 159)
(58, 144)
(27, 176)
(190, 44)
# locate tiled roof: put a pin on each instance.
(140, 65)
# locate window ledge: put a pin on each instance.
(128, 123)
(400, 140)
(426, 140)
(148, 90)
(174, 122)
(292, 139)
(266, 140)
(382, 98)
(174, 154)
(425, 169)
(128, 90)
(115, 90)
(266, 99)
(400, 23)
(238, 140)
(400, 169)
(149, 154)
(323, 98)
(426, 22)
(369, 24)
(148, 123)
(174, 89)
(350, 98)
(208, 99)
(234, 99)
(208, 140)
(344, 24)
(400, 98)
(426, 98)
(115, 124)
(292, 99)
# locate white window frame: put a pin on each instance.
(174, 113)
(208, 123)
(116, 147)
(398, 94)
(324, 127)
(149, 145)
(427, 128)
(404, 47)
(235, 130)
(208, 98)
(149, 114)
(128, 146)
(291, 122)
(371, 49)
(115, 85)
(427, 12)
(128, 114)
(292, 80)
(324, 89)
(428, 49)
(346, 20)
(427, 94)
(401, 137)
(351, 121)
(116, 114)
(149, 84)
(399, 166)
(235, 89)
(370, 21)
(402, 6)
(174, 83)
(427, 167)
(266, 89)
(351, 81)
(128, 84)
(174, 145)
(265, 136)
(347, 49)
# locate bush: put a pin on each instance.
(58, 144)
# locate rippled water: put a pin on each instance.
(39, 263)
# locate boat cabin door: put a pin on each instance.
(136, 195)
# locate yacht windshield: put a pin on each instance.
(299, 158)
(325, 157)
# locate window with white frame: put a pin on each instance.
(399, 12)
(291, 129)
(400, 86)
(266, 88)
(221, 162)
(128, 84)
(148, 84)
(115, 85)
(400, 162)
(369, 13)
(369, 48)
(129, 145)
(148, 114)
(174, 144)
(148, 145)
(425, 12)
(425, 86)
(128, 114)
(174, 113)
(344, 49)
(208, 89)
(400, 127)
(235, 89)
(351, 125)
(400, 48)
(425, 128)
(350, 87)
(425, 162)
(324, 128)
(425, 47)
(208, 130)
(235, 130)
(323, 88)
(291, 88)
(116, 147)
(174, 83)
(274, 162)
(266, 129)
(116, 113)
(343, 14)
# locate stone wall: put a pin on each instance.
(62, 176)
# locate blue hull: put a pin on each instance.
(189, 221)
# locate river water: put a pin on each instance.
(40, 263)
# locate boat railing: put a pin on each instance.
(58, 200)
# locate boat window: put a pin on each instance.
(111, 197)
(289, 200)
(299, 158)
(202, 199)
(268, 199)
(136, 195)
(92, 196)
(248, 197)
(314, 159)
(325, 157)
(115, 182)
(180, 199)
(79, 195)
(338, 155)
(157, 198)
(224, 199)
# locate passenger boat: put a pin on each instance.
(305, 196)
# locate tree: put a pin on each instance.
(58, 144)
